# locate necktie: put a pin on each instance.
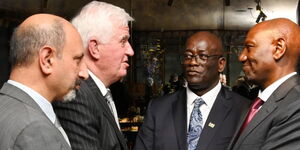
(62, 131)
(195, 127)
(253, 110)
(112, 106)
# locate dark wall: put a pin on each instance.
(5, 33)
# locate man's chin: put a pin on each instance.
(69, 96)
(194, 87)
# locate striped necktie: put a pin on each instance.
(112, 106)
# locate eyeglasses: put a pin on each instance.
(200, 58)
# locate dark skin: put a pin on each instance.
(203, 75)
(271, 51)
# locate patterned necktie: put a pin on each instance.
(112, 106)
(195, 127)
(253, 110)
(62, 131)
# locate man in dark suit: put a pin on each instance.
(91, 120)
(46, 53)
(270, 58)
(170, 120)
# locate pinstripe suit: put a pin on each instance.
(24, 125)
(88, 121)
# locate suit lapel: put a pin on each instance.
(20, 95)
(215, 119)
(270, 105)
(179, 117)
(236, 133)
(106, 111)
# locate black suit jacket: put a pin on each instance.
(89, 122)
(165, 124)
(277, 124)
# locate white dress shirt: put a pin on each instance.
(266, 93)
(104, 91)
(209, 99)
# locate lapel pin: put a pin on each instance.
(212, 125)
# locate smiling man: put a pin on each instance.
(202, 116)
(270, 59)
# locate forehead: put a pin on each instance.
(122, 32)
(257, 35)
(73, 41)
(200, 45)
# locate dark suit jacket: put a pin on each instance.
(88, 121)
(165, 124)
(277, 124)
(23, 124)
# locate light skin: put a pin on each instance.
(109, 61)
(52, 75)
(203, 76)
(270, 51)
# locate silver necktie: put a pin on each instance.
(62, 131)
(112, 106)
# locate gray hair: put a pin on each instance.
(96, 19)
(26, 41)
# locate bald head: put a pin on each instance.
(37, 31)
(271, 51)
(281, 29)
(206, 39)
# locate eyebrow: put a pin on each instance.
(197, 50)
(79, 57)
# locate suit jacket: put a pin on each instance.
(165, 124)
(88, 121)
(24, 125)
(277, 124)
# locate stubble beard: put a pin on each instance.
(69, 96)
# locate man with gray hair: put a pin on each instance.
(46, 56)
(91, 120)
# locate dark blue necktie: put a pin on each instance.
(195, 126)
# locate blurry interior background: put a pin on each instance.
(158, 34)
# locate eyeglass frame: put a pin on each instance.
(200, 57)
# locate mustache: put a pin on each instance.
(78, 82)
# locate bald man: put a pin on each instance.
(270, 58)
(46, 53)
(202, 116)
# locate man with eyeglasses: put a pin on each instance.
(202, 116)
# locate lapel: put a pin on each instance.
(20, 95)
(106, 111)
(240, 123)
(270, 105)
(179, 117)
(218, 113)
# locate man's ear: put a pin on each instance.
(280, 48)
(221, 64)
(46, 59)
(93, 49)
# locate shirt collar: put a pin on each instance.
(99, 83)
(266, 93)
(42, 102)
(209, 97)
